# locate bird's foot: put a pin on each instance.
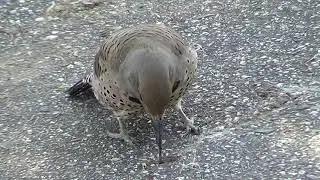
(122, 135)
(191, 129)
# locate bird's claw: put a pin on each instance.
(124, 136)
(192, 129)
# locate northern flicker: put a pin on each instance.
(142, 69)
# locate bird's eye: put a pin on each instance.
(175, 85)
(135, 100)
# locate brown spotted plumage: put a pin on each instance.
(142, 69)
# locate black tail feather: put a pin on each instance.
(82, 87)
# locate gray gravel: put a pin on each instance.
(256, 96)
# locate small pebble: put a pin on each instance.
(39, 19)
(70, 66)
(51, 37)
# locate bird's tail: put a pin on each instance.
(81, 87)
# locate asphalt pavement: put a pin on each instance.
(256, 96)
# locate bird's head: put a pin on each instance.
(151, 74)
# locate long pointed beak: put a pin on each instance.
(157, 125)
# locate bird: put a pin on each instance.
(143, 69)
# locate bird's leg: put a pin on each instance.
(188, 123)
(123, 133)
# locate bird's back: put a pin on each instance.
(116, 47)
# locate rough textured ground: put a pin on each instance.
(256, 96)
